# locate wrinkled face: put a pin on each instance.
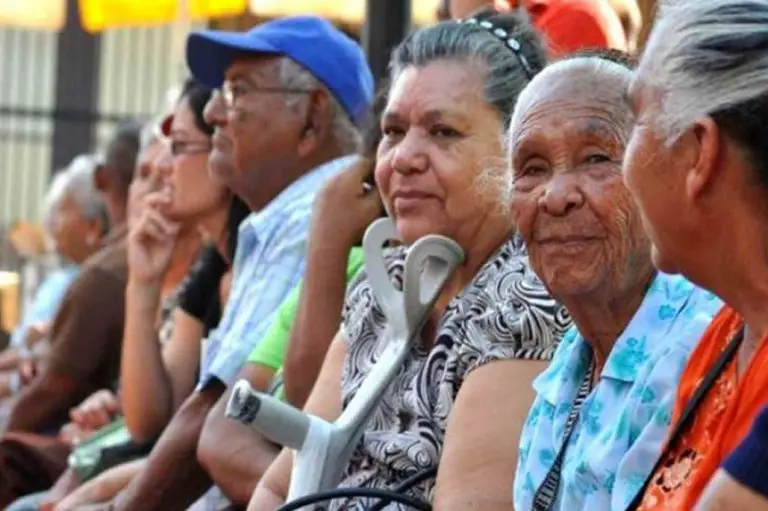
(146, 177)
(256, 131)
(655, 176)
(581, 227)
(75, 236)
(439, 137)
(185, 173)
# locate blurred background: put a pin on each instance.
(71, 70)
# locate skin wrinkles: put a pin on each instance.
(584, 234)
(241, 147)
(438, 132)
(648, 154)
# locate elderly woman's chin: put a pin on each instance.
(663, 261)
(411, 228)
(569, 270)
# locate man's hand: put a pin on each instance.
(346, 206)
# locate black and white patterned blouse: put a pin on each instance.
(504, 313)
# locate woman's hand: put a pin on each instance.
(152, 239)
(72, 434)
(96, 411)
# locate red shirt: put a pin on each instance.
(572, 25)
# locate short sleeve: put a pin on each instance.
(748, 463)
(514, 317)
(80, 339)
(271, 350)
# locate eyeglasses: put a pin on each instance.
(231, 91)
(189, 147)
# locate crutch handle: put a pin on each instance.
(279, 422)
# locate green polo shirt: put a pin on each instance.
(270, 352)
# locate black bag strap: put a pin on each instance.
(546, 495)
(686, 417)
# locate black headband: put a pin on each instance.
(509, 41)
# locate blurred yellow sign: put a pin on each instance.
(44, 14)
(345, 11)
(100, 14)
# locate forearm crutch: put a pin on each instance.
(323, 448)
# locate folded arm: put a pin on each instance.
(325, 402)
(234, 455)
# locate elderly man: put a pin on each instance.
(292, 92)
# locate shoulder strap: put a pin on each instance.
(687, 414)
(546, 495)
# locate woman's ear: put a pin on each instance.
(703, 154)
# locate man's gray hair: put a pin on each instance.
(293, 76)
(503, 73)
(78, 181)
(706, 56)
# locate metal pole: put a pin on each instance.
(77, 88)
(386, 24)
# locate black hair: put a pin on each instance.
(123, 151)
(197, 96)
(372, 127)
(747, 124)
(619, 57)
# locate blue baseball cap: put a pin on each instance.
(314, 43)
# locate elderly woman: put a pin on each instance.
(75, 222)
(171, 197)
(698, 167)
(453, 88)
(603, 405)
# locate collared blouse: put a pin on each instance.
(624, 420)
(504, 313)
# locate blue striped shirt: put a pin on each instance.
(269, 262)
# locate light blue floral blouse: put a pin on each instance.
(624, 420)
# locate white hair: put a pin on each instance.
(292, 75)
(77, 180)
(706, 56)
(595, 68)
(590, 65)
